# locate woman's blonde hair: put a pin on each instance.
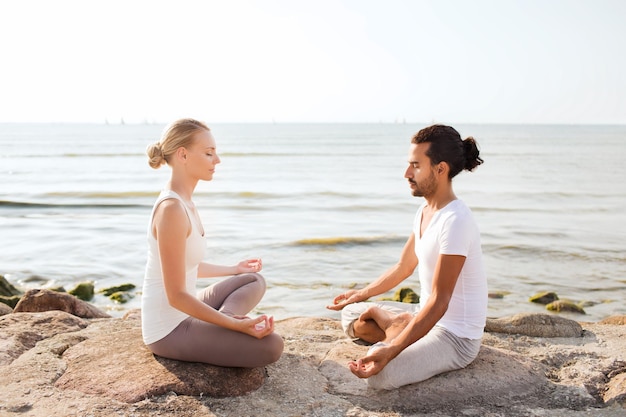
(176, 135)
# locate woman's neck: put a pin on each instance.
(182, 188)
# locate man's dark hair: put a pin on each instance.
(447, 146)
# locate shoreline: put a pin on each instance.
(104, 298)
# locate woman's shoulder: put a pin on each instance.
(168, 194)
(169, 204)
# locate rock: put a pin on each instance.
(112, 290)
(20, 332)
(121, 297)
(494, 376)
(565, 306)
(616, 389)
(39, 300)
(617, 320)
(7, 289)
(81, 371)
(403, 295)
(497, 295)
(5, 309)
(544, 297)
(83, 290)
(10, 301)
(538, 325)
(406, 295)
(127, 371)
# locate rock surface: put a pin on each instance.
(539, 325)
(127, 371)
(56, 364)
(38, 300)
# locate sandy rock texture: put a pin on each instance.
(56, 364)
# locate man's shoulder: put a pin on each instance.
(457, 208)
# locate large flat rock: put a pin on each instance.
(117, 364)
(55, 364)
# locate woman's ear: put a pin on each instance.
(181, 153)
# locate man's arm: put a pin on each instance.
(388, 280)
(446, 275)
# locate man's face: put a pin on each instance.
(420, 172)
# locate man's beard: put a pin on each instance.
(426, 187)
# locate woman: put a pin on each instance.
(211, 327)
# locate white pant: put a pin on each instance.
(437, 352)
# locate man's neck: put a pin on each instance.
(440, 199)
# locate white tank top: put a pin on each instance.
(158, 318)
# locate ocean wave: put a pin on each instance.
(348, 241)
(27, 204)
(103, 194)
(80, 155)
(254, 154)
(102, 155)
(540, 251)
(283, 195)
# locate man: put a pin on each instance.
(444, 333)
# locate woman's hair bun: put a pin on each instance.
(155, 155)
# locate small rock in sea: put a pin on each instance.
(112, 290)
(7, 289)
(10, 301)
(497, 294)
(544, 297)
(120, 297)
(36, 280)
(565, 306)
(83, 290)
(406, 295)
(59, 288)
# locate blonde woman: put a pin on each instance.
(211, 326)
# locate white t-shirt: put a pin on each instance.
(453, 231)
(158, 317)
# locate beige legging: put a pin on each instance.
(195, 340)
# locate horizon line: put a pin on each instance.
(148, 123)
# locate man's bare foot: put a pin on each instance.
(371, 325)
(383, 318)
(398, 323)
(391, 324)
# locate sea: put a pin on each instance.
(326, 206)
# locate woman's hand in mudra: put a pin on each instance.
(249, 265)
(258, 327)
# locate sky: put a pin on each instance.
(291, 61)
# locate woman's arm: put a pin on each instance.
(206, 270)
